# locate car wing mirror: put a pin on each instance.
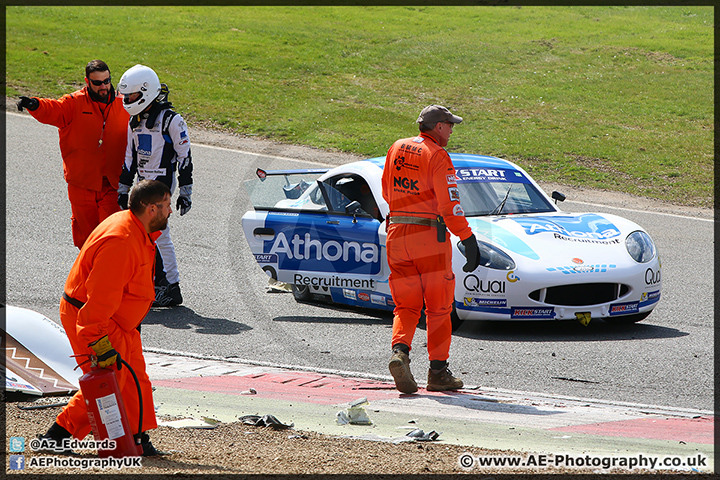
(353, 208)
(558, 197)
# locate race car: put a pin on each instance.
(323, 232)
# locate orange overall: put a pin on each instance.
(91, 167)
(113, 277)
(419, 182)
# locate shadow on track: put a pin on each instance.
(515, 331)
(183, 318)
(565, 331)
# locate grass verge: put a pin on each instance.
(618, 98)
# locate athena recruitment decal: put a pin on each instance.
(310, 246)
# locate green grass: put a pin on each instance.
(606, 97)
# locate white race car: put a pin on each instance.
(323, 232)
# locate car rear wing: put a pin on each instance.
(262, 174)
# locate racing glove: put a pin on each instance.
(106, 354)
(29, 103)
(123, 195)
(183, 202)
(472, 252)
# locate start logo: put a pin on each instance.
(532, 312)
(624, 308)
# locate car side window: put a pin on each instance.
(354, 188)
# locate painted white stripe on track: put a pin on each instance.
(245, 152)
(643, 211)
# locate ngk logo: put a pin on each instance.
(405, 183)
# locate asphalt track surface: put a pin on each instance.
(666, 360)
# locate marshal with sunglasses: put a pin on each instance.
(97, 83)
(93, 131)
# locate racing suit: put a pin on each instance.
(157, 146)
(92, 141)
(108, 292)
(420, 187)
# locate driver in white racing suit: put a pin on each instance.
(157, 147)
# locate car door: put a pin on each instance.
(314, 240)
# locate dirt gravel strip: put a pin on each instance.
(239, 449)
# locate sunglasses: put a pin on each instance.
(97, 83)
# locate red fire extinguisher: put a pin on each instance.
(106, 411)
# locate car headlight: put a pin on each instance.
(640, 246)
(491, 256)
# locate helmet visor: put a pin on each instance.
(132, 97)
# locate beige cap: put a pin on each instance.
(437, 113)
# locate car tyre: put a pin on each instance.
(301, 292)
(628, 319)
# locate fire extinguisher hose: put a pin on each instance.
(137, 384)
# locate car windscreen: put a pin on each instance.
(495, 191)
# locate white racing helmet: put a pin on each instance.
(140, 80)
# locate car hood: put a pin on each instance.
(591, 237)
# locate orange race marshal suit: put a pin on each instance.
(108, 292)
(420, 187)
(93, 138)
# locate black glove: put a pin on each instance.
(183, 204)
(29, 103)
(472, 252)
(123, 200)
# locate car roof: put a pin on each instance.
(461, 160)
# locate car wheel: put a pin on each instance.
(270, 271)
(456, 321)
(301, 292)
(627, 319)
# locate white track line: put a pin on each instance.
(245, 152)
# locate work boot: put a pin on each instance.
(52, 441)
(148, 450)
(400, 370)
(440, 380)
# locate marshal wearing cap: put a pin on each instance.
(437, 113)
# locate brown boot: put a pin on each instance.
(400, 370)
(440, 380)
